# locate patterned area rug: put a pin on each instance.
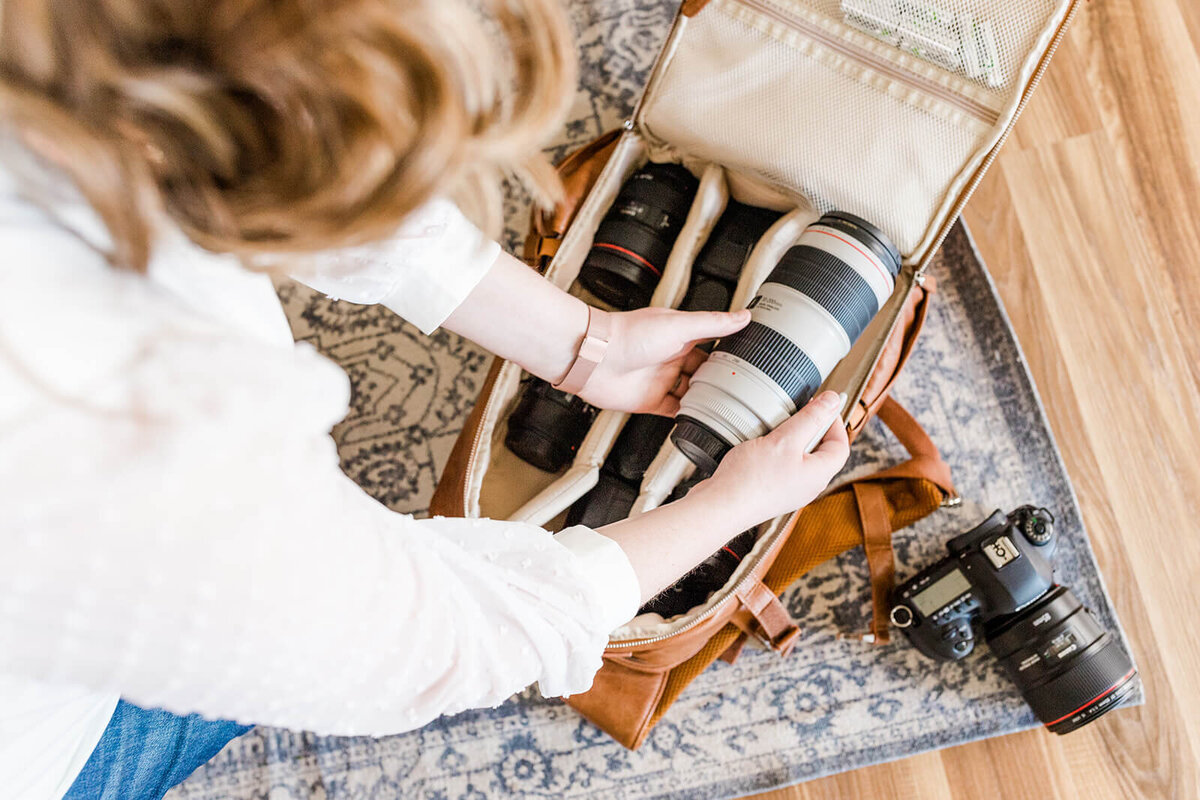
(834, 704)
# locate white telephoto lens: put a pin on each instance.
(807, 315)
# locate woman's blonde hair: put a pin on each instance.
(284, 126)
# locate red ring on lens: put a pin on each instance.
(631, 254)
(1100, 696)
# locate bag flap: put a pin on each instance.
(884, 108)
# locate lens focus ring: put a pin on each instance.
(832, 283)
(778, 357)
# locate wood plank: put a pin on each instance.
(1090, 224)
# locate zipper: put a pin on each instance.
(1036, 79)
(914, 80)
(746, 579)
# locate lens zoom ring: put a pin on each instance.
(778, 357)
(833, 283)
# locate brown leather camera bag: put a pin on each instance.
(941, 132)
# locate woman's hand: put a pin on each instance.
(651, 355)
(756, 481)
(773, 474)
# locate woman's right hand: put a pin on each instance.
(756, 481)
(773, 475)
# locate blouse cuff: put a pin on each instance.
(613, 582)
(465, 256)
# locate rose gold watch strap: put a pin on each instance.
(591, 352)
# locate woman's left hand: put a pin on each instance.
(651, 355)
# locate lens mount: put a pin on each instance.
(703, 446)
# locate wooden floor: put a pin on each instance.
(1090, 222)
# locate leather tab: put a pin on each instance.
(734, 650)
(691, 8)
(877, 542)
(764, 617)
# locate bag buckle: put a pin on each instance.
(782, 645)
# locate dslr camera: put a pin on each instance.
(999, 575)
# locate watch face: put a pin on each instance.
(1001, 551)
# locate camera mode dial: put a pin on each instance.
(1037, 525)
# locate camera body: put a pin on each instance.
(997, 568)
(1066, 665)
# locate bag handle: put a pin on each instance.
(861, 511)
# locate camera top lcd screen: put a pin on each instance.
(941, 592)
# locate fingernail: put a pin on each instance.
(829, 400)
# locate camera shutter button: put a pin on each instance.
(902, 616)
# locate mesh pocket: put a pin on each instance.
(809, 119)
(984, 41)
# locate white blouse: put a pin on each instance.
(176, 528)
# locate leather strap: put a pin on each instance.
(926, 462)
(762, 616)
(877, 542)
(862, 511)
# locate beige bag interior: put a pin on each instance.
(793, 106)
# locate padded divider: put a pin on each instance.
(668, 469)
(711, 198)
(629, 154)
(507, 482)
(580, 477)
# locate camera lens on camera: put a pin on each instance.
(1069, 669)
(633, 241)
(547, 426)
(808, 313)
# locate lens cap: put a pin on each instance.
(700, 443)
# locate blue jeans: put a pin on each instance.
(143, 753)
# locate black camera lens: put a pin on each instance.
(547, 426)
(634, 239)
(611, 499)
(637, 446)
(621, 476)
(733, 237)
(1069, 669)
(698, 585)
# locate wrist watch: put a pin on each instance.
(591, 352)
